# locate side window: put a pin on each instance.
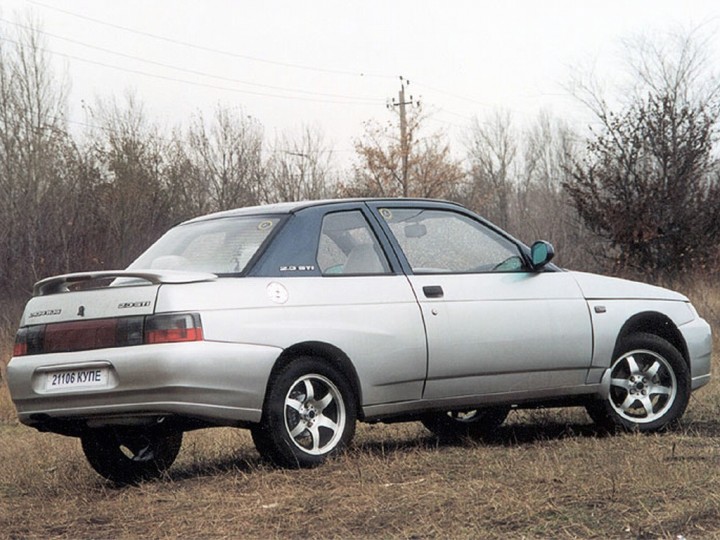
(443, 242)
(348, 247)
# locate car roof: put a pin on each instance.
(291, 207)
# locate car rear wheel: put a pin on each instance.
(649, 386)
(127, 456)
(471, 423)
(309, 415)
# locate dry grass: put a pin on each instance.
(538, 478)
(546, 474)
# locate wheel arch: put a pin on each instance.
(653, 322)
(327, 352)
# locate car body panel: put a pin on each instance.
(609, 317)
(374, 320)
(504, 332)
(212, 381)
(595, 287)
(93, 304)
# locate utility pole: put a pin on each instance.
(404, 143)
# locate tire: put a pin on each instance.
(308, 416)
(127, 456)
(472, 424)
(649, 386)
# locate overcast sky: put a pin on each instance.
(333, 63)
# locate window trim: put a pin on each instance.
(377, 206)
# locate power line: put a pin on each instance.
(321, 97)
(195, 83)
(447, 123)
(495, 106)
(244, 57)
(455, 95)
(210, 49)
(190, 71)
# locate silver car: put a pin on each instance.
(296, 320)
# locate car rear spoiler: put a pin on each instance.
(59, 284)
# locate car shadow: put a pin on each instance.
(700, 428)
(239, 465)
(232, 464)
(525, 434)
(247, 461)
(504, 436)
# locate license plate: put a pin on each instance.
(77, 378)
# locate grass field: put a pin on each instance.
(545, 474)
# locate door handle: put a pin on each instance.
(433, 291)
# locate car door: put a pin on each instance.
(493, 325)
(366, 307)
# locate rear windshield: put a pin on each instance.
(220, 246)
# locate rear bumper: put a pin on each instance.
(202, 382)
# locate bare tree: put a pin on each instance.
(33, 148)
(299, 169)
(493, 156)
(189, 192)
(132, 196)
(515, 178)
(228, 153)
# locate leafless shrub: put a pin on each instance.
(648, 182)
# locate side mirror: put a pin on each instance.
(541, 253)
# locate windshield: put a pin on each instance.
(220, 246)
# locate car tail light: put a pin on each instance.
(107, 333)
(20, 348)
(28, 340)
(173, 328)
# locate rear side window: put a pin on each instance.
(348, 246)
(220, 246)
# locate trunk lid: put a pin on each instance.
(98, 295)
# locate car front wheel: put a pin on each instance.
(127, 456)
(309, 414)
(472, 423)
(649, 386)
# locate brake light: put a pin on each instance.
(29, 340)
(173, 328)
(20, 349)
(107, 333)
